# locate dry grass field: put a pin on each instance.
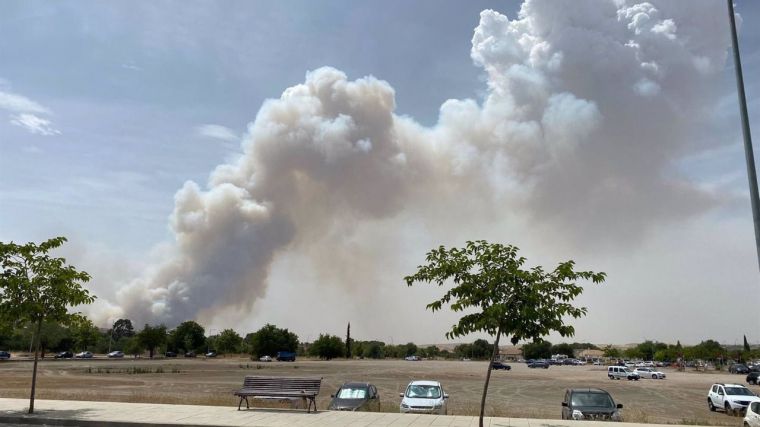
(521, 392)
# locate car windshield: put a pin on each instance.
(352, 393)
(423, 391)
(600, 400)
(738, 391)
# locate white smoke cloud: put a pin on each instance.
(589, 106)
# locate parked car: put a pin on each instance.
(412, 358)
(649, 373)
(539, 364)
(589, 404)
(355, 397)
(752, 417)
(64, 355)
(731, 398)
(499, 365)
(426, 397)
(4, 355)
(738, 368)
(752, 378)
(286, 356)
(190, 354)
(618, 372)
(115, 354)
(83, 355)
(265, 358)
(211, 353)
(170, 354)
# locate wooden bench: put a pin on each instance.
(285, 387)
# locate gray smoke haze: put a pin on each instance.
(589, 107)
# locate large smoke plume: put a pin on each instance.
(589, 106)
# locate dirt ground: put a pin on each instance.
(521, 392)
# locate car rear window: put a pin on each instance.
(600, 400)
(352, 393)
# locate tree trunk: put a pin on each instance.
(34, 370)
(488, 377)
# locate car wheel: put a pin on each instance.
(654, 377)
(611, 377)
(710, 405)
(728, 409)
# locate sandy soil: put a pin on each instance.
(521, 392)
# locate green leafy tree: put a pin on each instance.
(611, 351)
(188, 336)
(327, 347)
(122, 328)
(410, 349)
(152, 337)
(85, 334)
(228, 342)
(481, 349)
(348, 341)
(374, 350)
(563, 348)
(270, 339)
(35, 287)
(537, 350)
(524, 304)
(133, 346)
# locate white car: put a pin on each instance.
(115, 354)
(649, 373)
(265, 358)
(752, 417)
(83, 355)
(424, 397)
(732, 398)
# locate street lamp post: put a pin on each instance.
(748, 152)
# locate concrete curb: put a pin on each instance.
(45, 421)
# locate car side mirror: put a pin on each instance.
(564, 404)
(445, 396)
(619, 405)
(401, 395)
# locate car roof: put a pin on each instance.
(425, 382)
(588, 390)
(355, 385)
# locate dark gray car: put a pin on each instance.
(355, 397)
(589, 404)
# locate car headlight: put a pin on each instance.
(615, 416)
(405, 406)
(438, 405)
(577, 415)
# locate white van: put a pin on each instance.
(618, 372)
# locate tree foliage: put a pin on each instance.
(502, 297)
(537, 350)
(228, 341)
(563, 348)
(152, 337)
(35, 286)
(270, 339)
(122, 328)
(327, 347)
(188, 336)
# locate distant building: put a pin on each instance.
(589, 354)
(510, 353)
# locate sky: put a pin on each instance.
(244, 163)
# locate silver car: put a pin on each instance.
(649, 373)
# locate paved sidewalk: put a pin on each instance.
(112, 414)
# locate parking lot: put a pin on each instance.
(521, 392)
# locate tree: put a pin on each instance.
(348, 341)
(35, 287)
(611, 351)
(188, 336)
(327, 347)
(151, 337)
(563, 348)
(228, 342)
(525, 304)
(85, 334)
(410, 349)
(537, 350)
(122, 328)
(270, 339)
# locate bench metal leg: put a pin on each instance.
(247, 406)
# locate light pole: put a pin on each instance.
(748, 152)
